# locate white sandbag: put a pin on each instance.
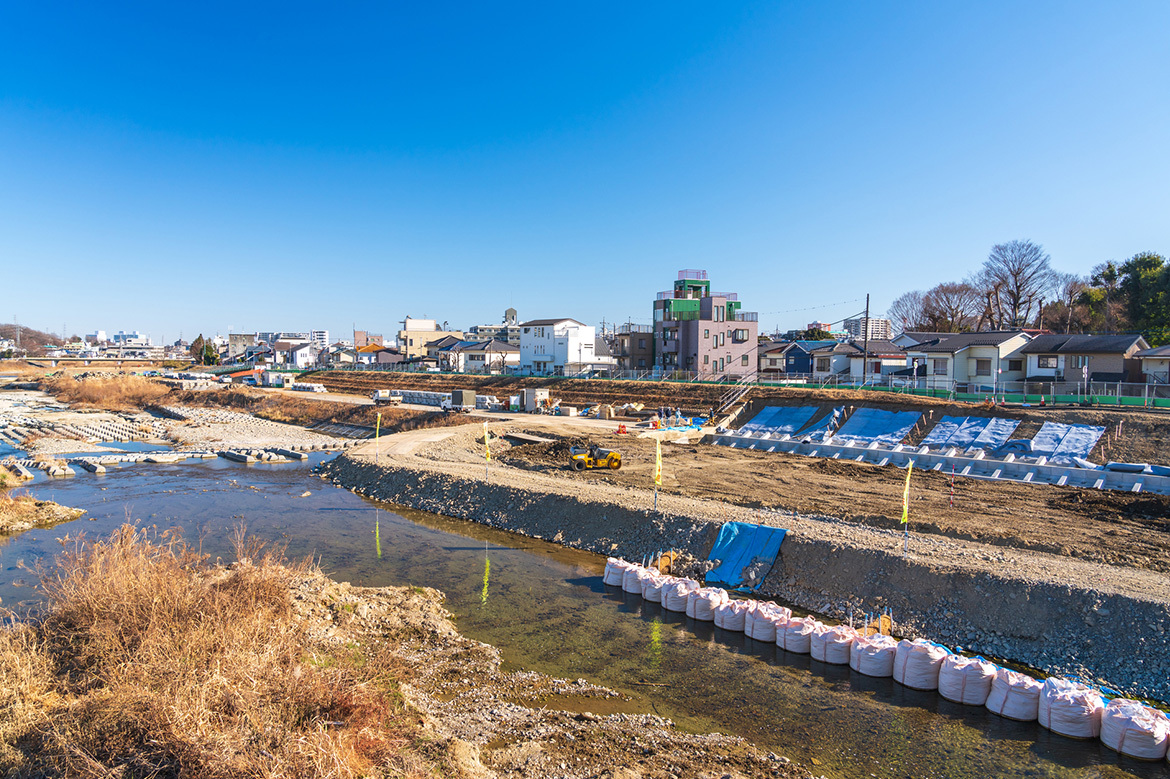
(1071, 708)
(615, 571)
(1014, 695)
(675, 593)
(701, 603)
(832, 644)
(873, 655)
(1135, 729)
(632, 579)
(797, 635)
(732, 615)
(965, 679)
(917, 662)
(763, 623)
(652, 586)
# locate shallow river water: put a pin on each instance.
(546, 608)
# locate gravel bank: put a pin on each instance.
(1061, 615)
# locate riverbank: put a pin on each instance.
(1062, 615)
(268, 667)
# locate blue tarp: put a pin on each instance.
(739, 546)
(872, 424)
(778, 420)
(971, 432)
(825, 427)
(1061, 443)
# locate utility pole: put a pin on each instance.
(865, 357)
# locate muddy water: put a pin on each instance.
(547, 610)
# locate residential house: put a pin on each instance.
(368, 354)
(1155, 364)
(633, 347)
(486, 357)
(834, 359)
(874, 360)
(556, 346)
(417, 333)
(704, 332)
(1077, 358)
(908, 338)
(389, 355)
(789, 358)
(439, 348)
(981, 361)
(300, 354)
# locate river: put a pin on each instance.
(547, 610)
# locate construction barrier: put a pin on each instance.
(1063, 706)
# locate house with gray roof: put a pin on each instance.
(981, 361)
(1080, 357)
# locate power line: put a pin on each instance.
(812, 308)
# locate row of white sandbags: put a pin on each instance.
(1062, 706)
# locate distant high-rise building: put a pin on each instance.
(879, 329)
(319, 338)
(826, 326)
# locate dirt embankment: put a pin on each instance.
(148, 661)
(1111, 527)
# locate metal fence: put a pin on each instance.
(1142, 395)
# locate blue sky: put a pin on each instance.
(190, 167)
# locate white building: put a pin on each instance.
(135, 338)
(556, 346)
(319, 338)
(99, 337)
(879, 329)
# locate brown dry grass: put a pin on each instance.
(116, 393)
(148, 662)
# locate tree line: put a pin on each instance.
(1017, 287)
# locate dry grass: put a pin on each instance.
(148, 662)
(116, 393)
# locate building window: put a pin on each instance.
(1077, 361)
(1015, 365)
(983, 367)
(744, 360)
(641, 343)
(822, 364)
(706, 333)
(940, 367)
(706, 359)
(641, 363)
(1046, 361)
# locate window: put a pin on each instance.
(822, 364)
(983, 367)
(641, 343)
(772, 362)
(1015, 365)
(1046, 361)
(744, 360)
(940, 367)
(706, 359)
(641, 363)
(1077, 361)
(707, 333)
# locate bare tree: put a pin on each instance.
(952, 307)
(1073, 315)
(1014, 279)
(907, 312)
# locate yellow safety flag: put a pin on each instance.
(906, 495)
(657, 462)
(377, 426)
(487, 452)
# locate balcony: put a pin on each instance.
(747, 316)
(728, 295)
(692, 275)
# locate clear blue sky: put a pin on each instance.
(170, 167)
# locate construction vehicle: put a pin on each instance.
(587, 458)
(462, 401)
(384, 397)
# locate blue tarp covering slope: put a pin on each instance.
(1062, 442)
(779, 420)
(971, 432)
(871, 424)
(739, 546)
(824, 427)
